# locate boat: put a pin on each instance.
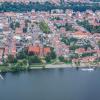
(87, 69)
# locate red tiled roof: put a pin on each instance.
(47, 50)
(80, 50)
(34, 49)
(81, 33)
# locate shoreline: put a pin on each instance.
(70, 66)
(54, 66)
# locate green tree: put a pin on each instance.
(22, 54)
(17, 24)
(34, 59)
(99, 44)
(53, 55)
(24, 30)
(89, 27)
(69, 27)
(48, 58)
(87, 54)
(44, 27)
(61, 58)
(73, 55)
(12, 26)
(11, 59)
(18, 67)
(24, 61)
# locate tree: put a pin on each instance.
(53, 55)
(44, 27)
(11, 59)
(74, 47)
(74, 55)
(69, 27)
(61, 58)
(99, 44)
(48, 58)
(24, 30)
(21, 55)
(89, 27)
(87, 54)
(17, 24)
(68, 41)
(18, 67)
(34, 59)
(65, 40)
(24, 61)
(12, 26)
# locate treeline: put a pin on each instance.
(47, 6)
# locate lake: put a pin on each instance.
(51, 84)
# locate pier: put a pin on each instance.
(1, 77)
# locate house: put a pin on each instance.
(88, 59)
(80, 51)
(81, 34)
(34, 49)
(40, 51)
(19, 31)
(13, 51)
(6, 52)
(46, 50)
(75, 61)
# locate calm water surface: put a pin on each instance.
(51, 84)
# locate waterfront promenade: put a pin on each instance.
(52, 66)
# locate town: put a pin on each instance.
(49, 37)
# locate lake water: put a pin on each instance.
(51, 84)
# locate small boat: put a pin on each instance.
(87, 69)
(1, 77)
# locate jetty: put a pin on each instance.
(1, 77)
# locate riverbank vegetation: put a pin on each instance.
(27, 61)
(47, 6)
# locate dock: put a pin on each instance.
(1, 77)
